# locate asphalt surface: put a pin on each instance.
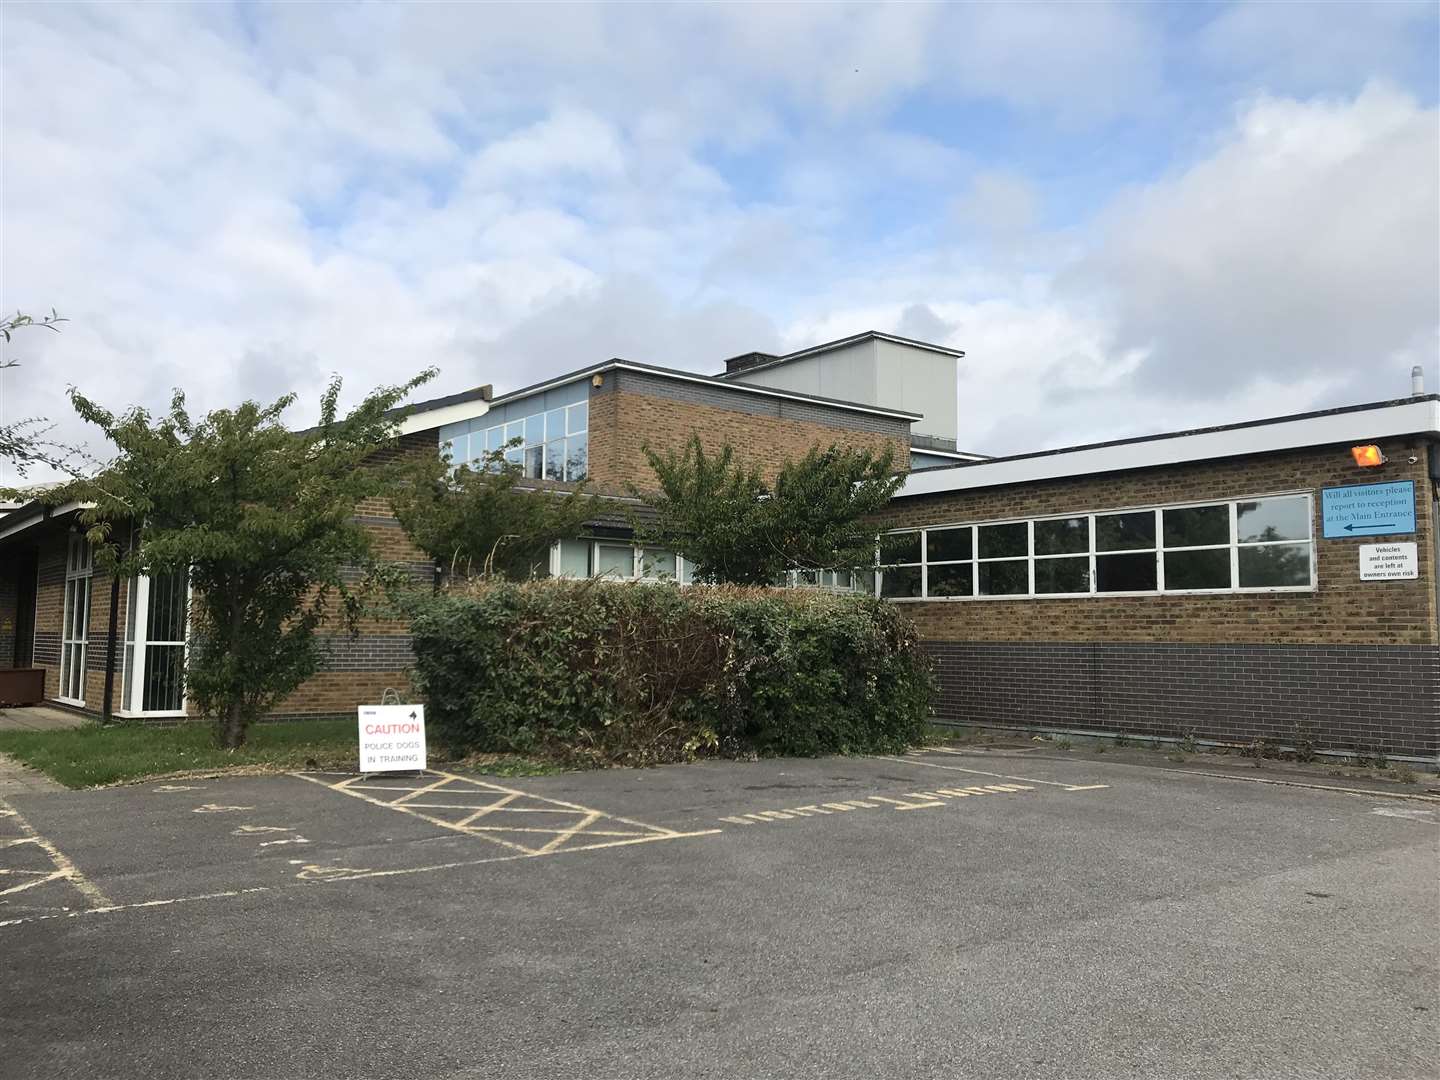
(834, 918)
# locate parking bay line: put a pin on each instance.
(352, 875)
(65, 870)
(1002, 776)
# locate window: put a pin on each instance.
(156, 620)
(1197, 547)
(1125, 552)
(619, 561)
(832, 580)
(75, 624)
(901, 554)
(1269, 557)
(1261, 544)
(554, 444)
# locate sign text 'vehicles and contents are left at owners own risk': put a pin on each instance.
(392, 738)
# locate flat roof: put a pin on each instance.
(449, 408)
(1353, 424)
(838, 343)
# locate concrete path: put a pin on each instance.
(40, 718)
(18, 779)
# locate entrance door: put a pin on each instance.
(25, 611)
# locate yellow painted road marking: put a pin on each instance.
(901, 804)
(448, 791)
(64, 868)
(910, 800)
(1001, 776)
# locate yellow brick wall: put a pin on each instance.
(1342, 610)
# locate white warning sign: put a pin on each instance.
(1388, 562)
(392, 738)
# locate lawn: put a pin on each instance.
(94, 755)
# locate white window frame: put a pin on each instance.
(636, 563)
(1158, 552)
(79, 574)
(132, 708)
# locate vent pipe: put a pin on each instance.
(1417, 381)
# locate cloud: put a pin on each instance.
(243, 199)
(1319, 46)
(1294, 251)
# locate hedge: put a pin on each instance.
(638, 674)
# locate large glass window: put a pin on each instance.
(1259, 544)
(75, 622)
(553, 444)
(156, 621)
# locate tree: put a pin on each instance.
(21, 442)
(480, 521)
(721, 515)
(263, 519)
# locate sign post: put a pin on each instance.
(392, 738)
(1368, 509)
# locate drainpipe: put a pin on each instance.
(107, 710)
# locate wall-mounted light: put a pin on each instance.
(597, 380)
(1367, 456)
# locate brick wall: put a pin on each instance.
(1352, 663)
(632, 410)
(49, 616)
(9, 614)
(356, 671)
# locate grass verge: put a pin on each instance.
(91, 756)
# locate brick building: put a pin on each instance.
(56, 605)
(1221, 584)
(1178, 585)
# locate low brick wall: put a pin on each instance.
(1369, 697)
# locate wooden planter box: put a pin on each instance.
(22, 686)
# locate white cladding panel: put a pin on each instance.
(918, 380)
(846, 374)
(875, 372)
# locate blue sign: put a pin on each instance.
(1369, 509)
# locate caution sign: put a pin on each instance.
(1389, 562)
(392, 738)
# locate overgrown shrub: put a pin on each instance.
(633, 673)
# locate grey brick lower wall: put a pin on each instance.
(47, 648)
(1335, 697)
(368, 652)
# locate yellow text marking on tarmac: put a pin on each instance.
(61, 868)
(1001, 776)
(909, 800)
(524, 823)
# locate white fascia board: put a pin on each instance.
(43, 514)
(22, 525)
(1361, 426)
(957, 455)
(449, 414)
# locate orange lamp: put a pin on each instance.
(1367, 457)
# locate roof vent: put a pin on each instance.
(1417, 381)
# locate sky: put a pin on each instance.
(1133, 218)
